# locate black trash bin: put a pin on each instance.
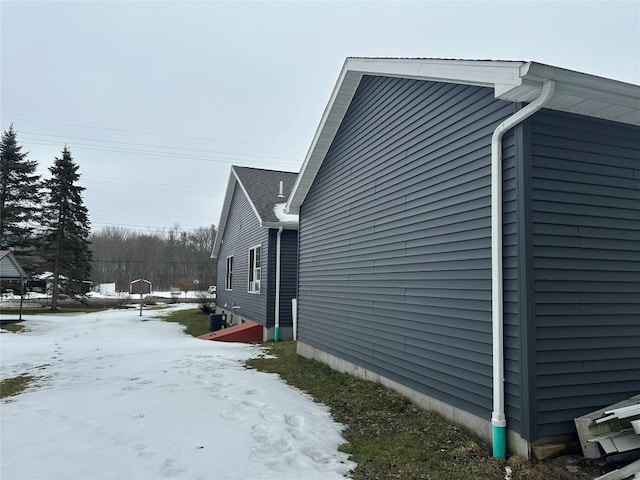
(216, 322)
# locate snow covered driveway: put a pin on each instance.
(128, 397)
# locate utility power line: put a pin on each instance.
(169, 148)
(146, 228)
(153, 153)
(147, 133)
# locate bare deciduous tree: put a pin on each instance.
(122, 255)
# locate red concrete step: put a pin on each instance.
(246, 332)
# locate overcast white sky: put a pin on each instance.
(157, 99)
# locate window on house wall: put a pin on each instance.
(255, 255)
(229, 276)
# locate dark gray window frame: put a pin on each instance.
(229, 273)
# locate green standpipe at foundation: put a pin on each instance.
(499, 442)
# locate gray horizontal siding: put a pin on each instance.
(241, 233)
(288, 275)
(586, 266)
(394, 270)
(515, 366)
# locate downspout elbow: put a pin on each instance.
(498, 418)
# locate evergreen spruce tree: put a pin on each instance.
(66, 245)
(19, 200)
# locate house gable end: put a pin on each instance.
(511, 80)
(401, 284)
(241, 233)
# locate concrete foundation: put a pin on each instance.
(286, 333)
(482, 427)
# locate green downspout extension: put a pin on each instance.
(499, 442)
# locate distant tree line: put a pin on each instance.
(46, 224)
(176, 259)
(44, 221)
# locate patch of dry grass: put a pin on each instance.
(15, 385)
(390, 438)
(14, 327)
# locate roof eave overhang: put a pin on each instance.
(511, 80)
(226, 206)
(234, 181)
(285, 225)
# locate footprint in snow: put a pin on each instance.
(270, 451)
(262, 433)
(171, 467)
(219, 396)
(317, 455)
(233, 414)
(219, 385)
(294, 420)
(269, 415)
(141, 449)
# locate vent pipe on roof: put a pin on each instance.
(498, 418)
(281, 191)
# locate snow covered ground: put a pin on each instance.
(128, 397)
(15, 297)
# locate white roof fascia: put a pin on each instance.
(285, 225)
(334, 112)
(486, 73)
(226, 207)
(515, 81)
(228, 196)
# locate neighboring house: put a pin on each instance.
(398, 220)
(253, 273)
(11, 271)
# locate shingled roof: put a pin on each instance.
(262, 189)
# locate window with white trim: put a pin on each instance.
(228, 285)
(255, 270)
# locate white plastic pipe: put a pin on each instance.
(276, 329)
(498, 419)
(294, 318)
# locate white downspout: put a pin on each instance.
(498, 419)
(276, 329)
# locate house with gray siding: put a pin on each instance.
(470, 236)
(257, 249)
